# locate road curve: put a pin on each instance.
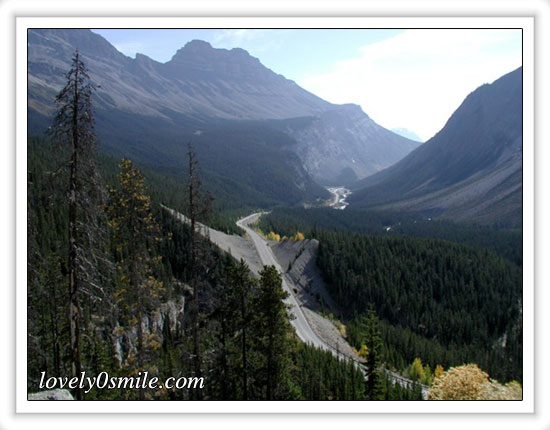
(299, 322)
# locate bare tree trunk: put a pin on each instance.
(140, 346)
(244, 366)
(74, 310)
(55, 332)
(73, 126)
(193, 191)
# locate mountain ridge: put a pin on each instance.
(206, 83)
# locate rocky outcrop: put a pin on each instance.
(171, 313)
(59, 394)
(344, 144)
(298, 258)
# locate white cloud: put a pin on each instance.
(254, 40)
(416, 79)
(237, 36)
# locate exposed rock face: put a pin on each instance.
(58, 394)
(343, 144)
(299, 257)
(338, 143)
(171, 312)
(471, 169)
(309, 288)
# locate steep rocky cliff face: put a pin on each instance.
(170, 313)
(344, 144)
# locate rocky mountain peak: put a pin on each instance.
(198, 53)
(193, 47)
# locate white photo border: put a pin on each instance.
(526, 22)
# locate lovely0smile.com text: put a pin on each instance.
(104, 381)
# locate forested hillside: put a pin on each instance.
(246, 163)
(108, 338)
(506, 242)
(451, 296)
(446, 293)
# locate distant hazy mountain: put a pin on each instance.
(471, 169)
(407, 133)
(202, 85)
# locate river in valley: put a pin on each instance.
(339, 196)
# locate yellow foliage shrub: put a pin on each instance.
(469, 382)
(299, 236)
(273, 236)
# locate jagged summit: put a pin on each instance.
(197, 44)
(192, 47)
(198, 60)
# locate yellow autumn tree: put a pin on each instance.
(299, 236)
(363, 352)
(273, 236)
(458, 383)
(342, 330)
(416, 371)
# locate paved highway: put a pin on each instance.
(300, 324)
(302, 327)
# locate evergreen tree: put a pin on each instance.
(226, 313)
(73, 131)
(199, 209)
(373, 341)
(135, 232)
(273, 335)
(241, 286)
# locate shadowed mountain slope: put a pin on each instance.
(471, 169)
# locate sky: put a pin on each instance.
(408, 79)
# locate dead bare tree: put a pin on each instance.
(199, 210)
(73, 131)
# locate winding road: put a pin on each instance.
(300, 324)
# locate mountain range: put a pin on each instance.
(146, 110)
(262, 140)
(471, 169)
